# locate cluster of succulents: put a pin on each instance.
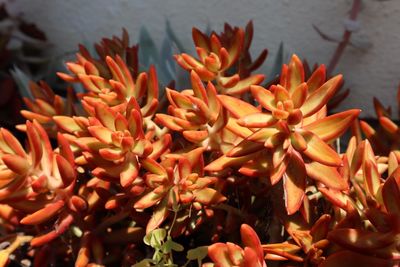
(229, 172)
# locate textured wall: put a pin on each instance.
(374, 72)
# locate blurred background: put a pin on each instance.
(312, 29)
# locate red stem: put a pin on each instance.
(345, 39)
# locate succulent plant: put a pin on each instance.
(228, 172)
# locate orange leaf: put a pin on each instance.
(195, 136)
(317, 79)
(245, 84)
(224, 162)
(129, 172)
(168, 121)
(229, 82)
(319, 151)
(333, 126)
(295, 74)
(250, 239)
(16, 163)
(43, 214)
(198, 87)
(208, 196)
(391, 193)
(321, 96)
(264, 97)
(219, 254)
(235, 128)
(299, 95)
(250, 258)
(105, 115)
(236, 47)
(328, 176)
(61, 226)
(153, 166)
(388, 125)
(10, 144)
(257, 120)
(200, 39)
(294, 183)
(148, 200)
(159, 215)
(101, 133)
(236, 106)
(244, 148)
(66, 171)
(67, 123)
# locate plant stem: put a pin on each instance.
(345, 39)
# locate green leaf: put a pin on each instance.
(148, 52)
(155, 238)
(172, 36)
(22, 80)
(158, 236)
(171, 245)
(198, 253)
(280, 58)
(175, 204)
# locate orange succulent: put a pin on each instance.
(230, 254)
(115, 142)
(197, 114)
(216, 55)
(292, 126)
(40, 184)
(177, 180)
(126, 168)
(45, 105)
(371, 237)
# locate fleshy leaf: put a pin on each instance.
(321, 96)
(333, 126)
(294, 183)
(327, 175)
(236, 106)
(319, 151)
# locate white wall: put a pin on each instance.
(374, 72)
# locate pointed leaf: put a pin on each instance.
(257, 120)
(158, 217)
(67, 173)
(224, 162)
(250, 258)
(219, 254)
(321, 96)
(250, 239)
(43, 214)
(317, 79)
(333, 126)
(264, 97)
(328, 176)
(16, 163)
(295, 74)
(236, 106)
(391, 193)
(319, 151)
(299, 95)
(294, 183)
(245, 84)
